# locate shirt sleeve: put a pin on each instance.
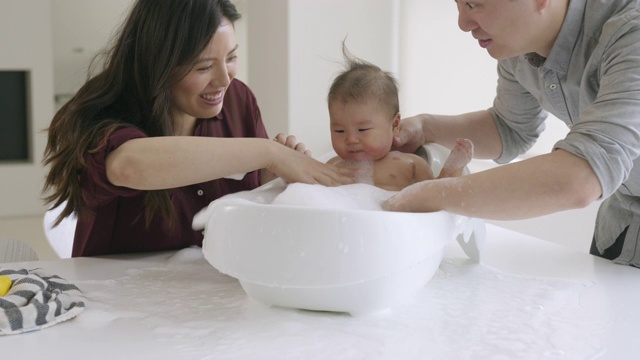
(96, 188)
(517, 114)
(607, 133)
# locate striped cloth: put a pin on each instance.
(36, 301)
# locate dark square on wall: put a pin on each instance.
(14, 122)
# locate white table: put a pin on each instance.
(528, 299)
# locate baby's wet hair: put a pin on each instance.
(363, 81)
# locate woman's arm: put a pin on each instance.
(174, 161)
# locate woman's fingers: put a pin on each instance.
(292, 142)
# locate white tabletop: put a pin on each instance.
(528, 299)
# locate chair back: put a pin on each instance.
(60, 237)
(12, 250)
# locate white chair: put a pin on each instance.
(12, 250)
(60, 237)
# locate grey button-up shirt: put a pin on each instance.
(591, 81)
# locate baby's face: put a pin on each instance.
(361, 131)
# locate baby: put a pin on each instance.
(364, 113)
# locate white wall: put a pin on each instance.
(267, 60)
(25, 40)
(81, 28)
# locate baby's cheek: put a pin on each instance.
(378, 152)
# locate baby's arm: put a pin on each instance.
(460, 156)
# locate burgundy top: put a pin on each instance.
(116, 223)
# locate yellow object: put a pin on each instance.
(5, 284)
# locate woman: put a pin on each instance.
(145, 143)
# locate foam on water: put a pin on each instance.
(354, 196)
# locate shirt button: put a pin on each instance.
(553, 86)
(200, 192)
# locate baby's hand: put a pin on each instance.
(292, 142)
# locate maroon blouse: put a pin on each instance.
(116, 223)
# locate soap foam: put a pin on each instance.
(353, 197)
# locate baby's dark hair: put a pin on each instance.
(362, 80)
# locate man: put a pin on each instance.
(576, 59)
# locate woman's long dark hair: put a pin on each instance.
(153, 49)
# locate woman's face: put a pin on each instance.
(200, 93)
(505, 28)
(360, 131)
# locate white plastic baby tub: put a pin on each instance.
(328, 259)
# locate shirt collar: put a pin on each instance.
(560, 54)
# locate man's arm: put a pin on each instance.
(538, 186)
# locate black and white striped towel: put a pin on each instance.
(36, 301)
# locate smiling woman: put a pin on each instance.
(115, 157)
(199, 93)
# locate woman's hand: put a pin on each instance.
(292, 142)
(298, 166)
(289, 141)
